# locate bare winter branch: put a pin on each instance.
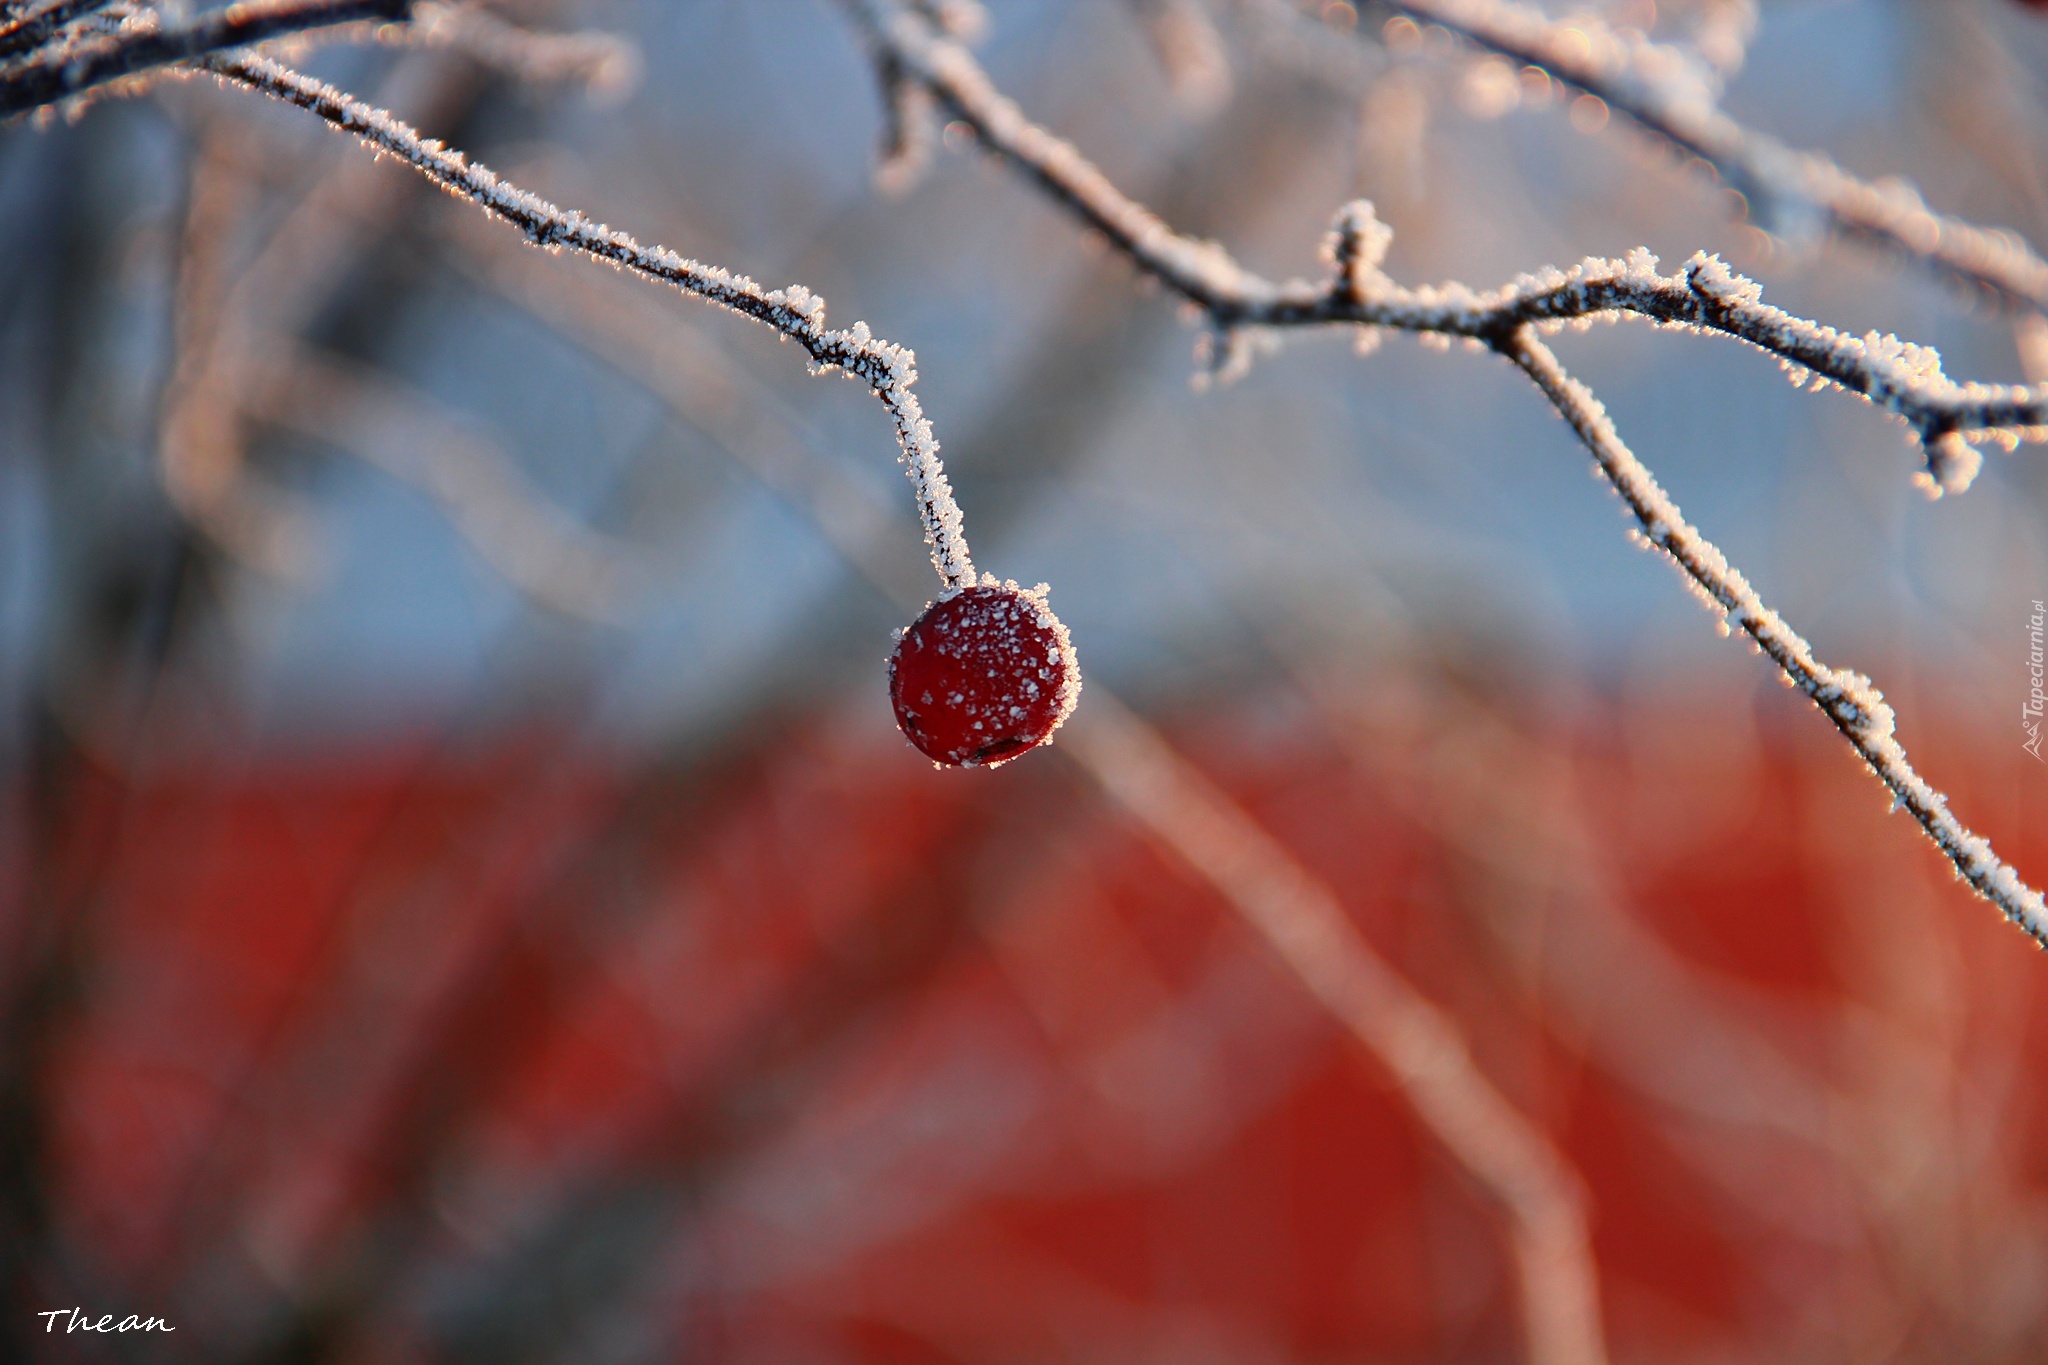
(32, 28)
(530, 541)
(889, 370)
(1668, 93)
(65, 69)
(1190, 52)
(1847, 698)
(1902, 377)
(500, 973)
(1295, 913)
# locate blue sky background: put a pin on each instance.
(1184, 529)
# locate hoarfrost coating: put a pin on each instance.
(984, 674)
(68, 50)
(889, 370)
(1640, 79)
(1901, 377)
(1674, 95)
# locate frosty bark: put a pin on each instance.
(1848, 699)
(71, 68)
(889, 370)
(1662, 90)
(1903, 377)
(1899, 376)
(1295, 913)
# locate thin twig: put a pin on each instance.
(888, 370)
(1904, 378)
(1899, 376)
(1720, 31)
(1664, 91)
(235, 313)
(67, 69)
(200, 452)
(703, 388)
(1418, 1043)
(1847, 698)
(30, 31)
(1190, 52)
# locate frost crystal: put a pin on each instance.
(986, 673)
(798, 314)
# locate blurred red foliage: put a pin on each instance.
(805, 1051)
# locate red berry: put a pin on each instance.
(986, 673)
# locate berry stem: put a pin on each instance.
(797, 313)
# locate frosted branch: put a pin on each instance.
(699, 384)
(1905, 379)
(964, 19)
(1720, 31)
(59, 70)
(1901, 377)
(1673, 97)
(889, 370)
(1297, 915)
(201, 453)
(1847, 698)
(32, 28)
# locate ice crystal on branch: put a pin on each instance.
(1356, 247)
(68, 55)
(1674, 95)
(75, 54)
(889, 370)
(1903, 378)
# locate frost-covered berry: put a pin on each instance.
(984, 674)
